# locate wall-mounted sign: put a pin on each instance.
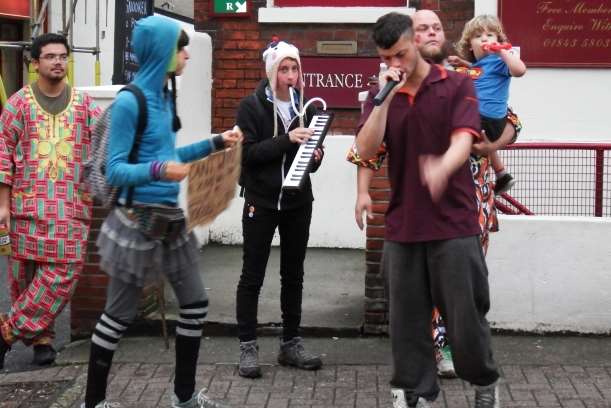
(338, 80)
(340, 3)
(125, 63)
(15, 8)
(559, 33)
(230, 8)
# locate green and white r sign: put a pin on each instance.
(230, 6)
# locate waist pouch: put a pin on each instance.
(160, 223)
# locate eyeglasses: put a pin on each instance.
(55, 57)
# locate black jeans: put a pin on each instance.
(451, 274)
(258, 227)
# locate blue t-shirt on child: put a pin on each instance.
(492, 86)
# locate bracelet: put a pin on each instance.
(156, 169)
(153, 170)
(163, 170)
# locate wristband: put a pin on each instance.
(155, 169)
(218, 143)
(163, 170)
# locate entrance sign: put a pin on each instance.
(230, 8)
(559, 33)
(338, 80)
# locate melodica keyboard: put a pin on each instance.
(304, 159)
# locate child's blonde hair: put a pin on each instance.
(474, 27)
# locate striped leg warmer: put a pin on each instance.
(104, 342)
(188, 338)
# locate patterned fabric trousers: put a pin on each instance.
(39, 291)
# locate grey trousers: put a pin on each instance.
(122, 298)
(452, 275)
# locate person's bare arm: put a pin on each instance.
(516, 66)
(364, 175)
(457, 61)
(436, 170)
(371, 134)
(5, 205)
(485, 146)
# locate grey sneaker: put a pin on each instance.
(249, 359)
(487, 396)
(199, 400)
(293, 354)
(400, 400)
(445, 364)
(104, 404)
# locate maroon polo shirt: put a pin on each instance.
(422, 124)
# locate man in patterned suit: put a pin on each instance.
(44, 140)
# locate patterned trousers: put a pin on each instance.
(39, 291)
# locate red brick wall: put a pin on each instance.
(88, 300)
(237, 68)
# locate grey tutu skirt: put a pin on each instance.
(128, 255)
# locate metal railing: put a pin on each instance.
(570, 179)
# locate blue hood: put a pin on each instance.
(154, 41)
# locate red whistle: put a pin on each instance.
(496, 47)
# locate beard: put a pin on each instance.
(435, 54)
(52, 76)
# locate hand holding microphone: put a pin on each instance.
(393, 77)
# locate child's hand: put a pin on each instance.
(484, 147)
(456, 61)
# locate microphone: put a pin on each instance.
(381, 96)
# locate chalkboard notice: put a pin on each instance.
(127, 12)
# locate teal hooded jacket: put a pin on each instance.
(154, 42)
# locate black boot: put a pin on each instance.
(44, 354)
(4, 348)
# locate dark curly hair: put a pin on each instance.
(46, 39)
(474, 28)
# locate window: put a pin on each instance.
(340, 3)
(11, 59)
(330, 12)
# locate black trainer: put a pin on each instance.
(4, 348)
(503, 184)
(44, 354)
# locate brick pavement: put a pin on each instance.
(359, 386)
